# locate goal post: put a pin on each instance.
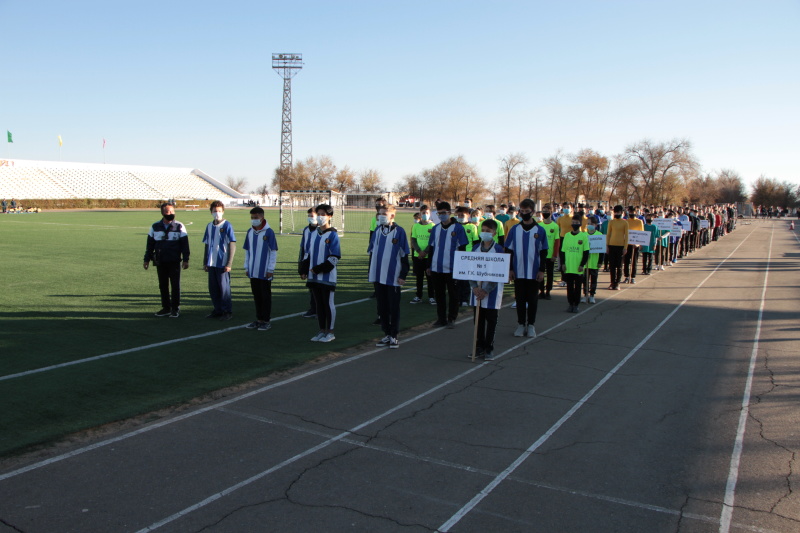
(294, 206)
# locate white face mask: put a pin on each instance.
(312, 220)
(501, 212)
(425, 217)
(256, 222)
(489, 216)
(321, 220)
(218, 215)
(487, 236)
(383, 220)
(463, 220)
(474, 220)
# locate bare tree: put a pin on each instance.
(662, 169)
(511, 166)
(370, 180)
(237, 184)
(344, 180)
(556, 176)
(309, 173)
(730, 187)
(261, 190)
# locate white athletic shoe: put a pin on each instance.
(328, 338)
(384, 342)
(416, 300)
(514, 305)
(317, 337)
(583, 299)
(591, 300)
(531, 333)
(432, 301)
(520, 331)
(562, 283)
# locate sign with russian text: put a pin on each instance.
(704, 224)
(482, 267)
(597, 243)
(641, 238)
(664, 224)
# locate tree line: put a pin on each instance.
(646, 172)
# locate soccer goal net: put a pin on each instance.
(294, 206)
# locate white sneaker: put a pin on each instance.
(531, 333)
(327, 338)
(317, 337)
(562, 283)
(432, 301)
(416, 300)
(583, 299)
(520, 331)
(591, 300)
(514, 305)
(384, 342)
(394, 343)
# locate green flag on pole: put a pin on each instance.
(10, 138)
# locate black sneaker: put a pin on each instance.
(377, 322)
(175, 313)
(225, 316)
(264, 326)
(547, 296)
(489, 356)
(451, 324)
(253, 325)
(309, 314)
(394, 343)
(541, 296)
(439, 324)
(213, 315)
(164, 312)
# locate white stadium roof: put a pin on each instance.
(26, 179)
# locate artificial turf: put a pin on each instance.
(74, 288)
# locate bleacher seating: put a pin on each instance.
(57, 180)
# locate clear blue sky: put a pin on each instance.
(400, 86)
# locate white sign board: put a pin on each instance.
(664, 224)
(641, 238)
(704, 224)
(677, 228)
(597, 243)
(482, 267)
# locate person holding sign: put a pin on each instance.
(574, 258)
(487, 296)
(446, 237)
(388, 268)
(595, 259)
(632, 255)
(552, 231)
(649, 250)
(616, 243)
(527, 243)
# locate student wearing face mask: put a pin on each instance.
(388, 268)
(574, 258)
(648, 252)
(379, 204)
(502, 215)
(319, 268)
(476, 216)
(312, 226)
(486, 296)
(446, 237)
(463, 218)
(513, 220)
(168, 249)
(420, 234)
(491, 214)
(528, 246)
(553, 241)
(595, 259)
(220, 246)
(260, 258)
(616, 244)
(631, 257)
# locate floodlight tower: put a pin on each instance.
(287, 66)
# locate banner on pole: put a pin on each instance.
(664, 224)
(641, 238)
(597, 243)
(481, 267)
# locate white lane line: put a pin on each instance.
(154, 345)
(461, 513)
(736, 456)
(254, 392)
(490, 473)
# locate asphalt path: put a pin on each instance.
(624, 417)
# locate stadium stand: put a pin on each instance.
(61, 180)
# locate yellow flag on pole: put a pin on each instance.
(60, 142)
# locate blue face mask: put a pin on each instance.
(600, 211)
(590, 228)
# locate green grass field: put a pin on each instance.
(74, 287)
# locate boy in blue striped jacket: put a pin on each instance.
(260, 257)
(318, 268)
(388, 268)
(220, 242)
